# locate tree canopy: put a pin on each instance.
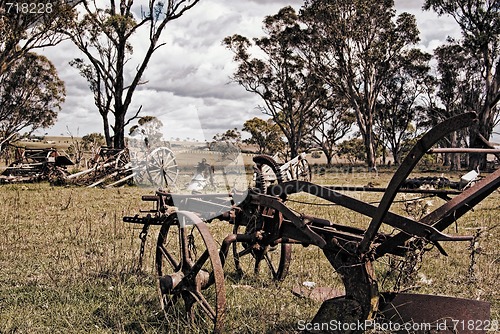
(281, 78)
(25, 26)
(400, 102)
(31, 94)
(355, 46)
(479, 22)
(265, 134)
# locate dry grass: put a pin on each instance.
(68, 264)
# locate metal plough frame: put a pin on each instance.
(351, 251)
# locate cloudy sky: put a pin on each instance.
(189, 86)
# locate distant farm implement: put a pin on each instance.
(35, 165)
(189, 262)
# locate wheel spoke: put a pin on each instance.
(258, 260)
(244, 252)
(204, 304)
(169, 177)
(270, 264)
(185, 262)
(199, 263)
(170, 158)
(169, 257)
(155, 162)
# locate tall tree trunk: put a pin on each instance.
(370, 149)
(486, 115)
(107, 135)
(329, 157)
(484, 128)
(293, 149)
(446, 159)
(395, 155)
(119, 135)
(455, 157)
(365, 124)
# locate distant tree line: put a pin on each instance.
(331, 68)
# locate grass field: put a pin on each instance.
(68, 264)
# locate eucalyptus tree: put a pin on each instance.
(479, 21)
(29, 25)
(265, 134)
(335, 121)
(401, 100)
(354, 45)
(278, 74)
(103, 34)
(459, 89)
(31, 95)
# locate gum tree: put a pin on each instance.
(479, 21)
(29, 25)
(401, 99)
(279, 76)
(31, 95)
(265, 134)
(354, 45)
(103, 34)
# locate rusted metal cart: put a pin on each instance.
(189, 262)
(36, 164)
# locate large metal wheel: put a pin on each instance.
(122, 159)
(161, 168)
(191, 280)
(249, 256)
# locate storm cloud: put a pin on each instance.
(192, 71)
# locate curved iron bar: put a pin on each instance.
(449, 212)
(417, 152)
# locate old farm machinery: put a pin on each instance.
(189, 262)
(36, 164)
(112, 167)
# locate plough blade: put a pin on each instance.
(434, 314)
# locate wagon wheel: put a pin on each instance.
(191, 280)
(303, 171)
(246, 255)
(122, 159)
(162, 168)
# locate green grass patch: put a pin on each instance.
(68, 264)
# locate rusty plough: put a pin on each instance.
(189, 263)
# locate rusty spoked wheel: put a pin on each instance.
(122, 159)
(191, 279)
(250, 256)
(162, 169)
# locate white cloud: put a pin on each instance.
(192, 70)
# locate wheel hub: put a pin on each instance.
(168, 283)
